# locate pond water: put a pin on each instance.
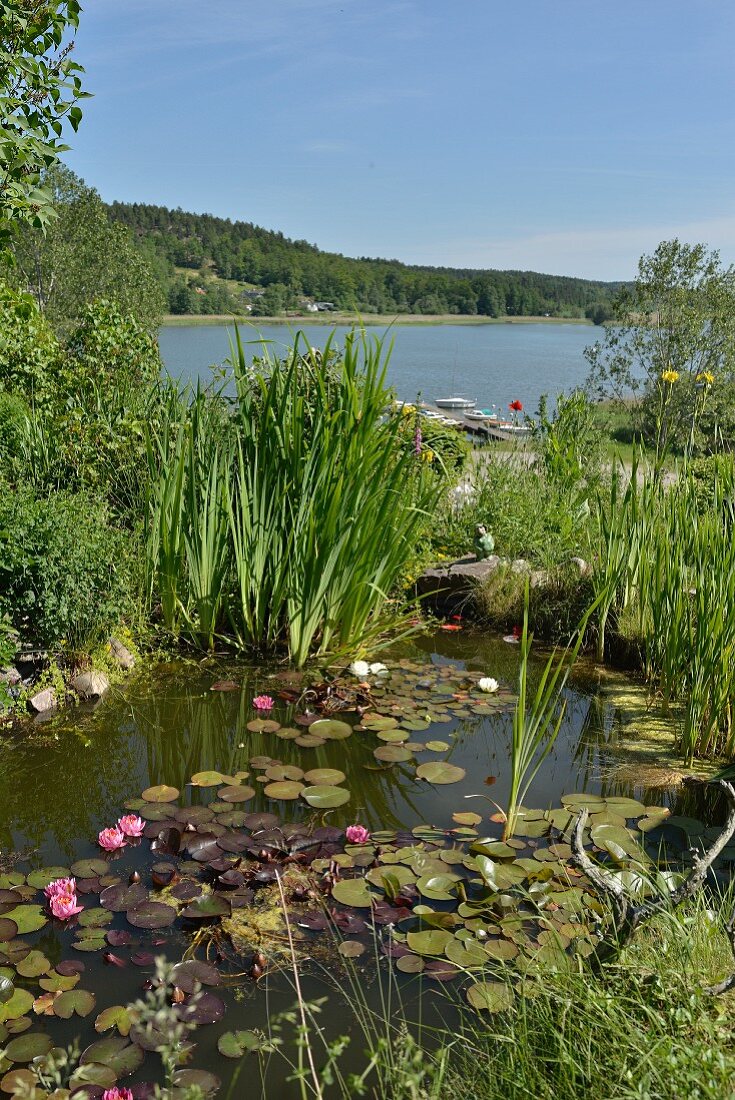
(495, 364)
(74, 775)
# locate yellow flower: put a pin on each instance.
(408, 410)
(427, 454)
(706, 376)
(670, 375)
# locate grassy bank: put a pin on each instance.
(380, 319)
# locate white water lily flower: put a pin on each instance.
(377, 669)
(360, 668)
(488, 685)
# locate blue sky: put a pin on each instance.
(567, 137)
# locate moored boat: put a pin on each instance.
(457, 402)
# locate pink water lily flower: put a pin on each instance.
(111, 839)
(117, 1094)
(64, 906)
(263, 702)
(60, 886)
(357, 834)
(131, 825)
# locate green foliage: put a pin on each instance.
(569, 442)
(713, 480)
(62, 568)
(14, 416)
(677, 319)
(30, 354)
(291, 270)
(643, 1029)
(40, 86)
(303, 502)
(81, 259)
(529, 516)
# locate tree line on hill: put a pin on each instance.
(196, 252)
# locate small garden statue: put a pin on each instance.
(484, 543)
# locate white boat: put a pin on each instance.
(481, 414)
(456, 402)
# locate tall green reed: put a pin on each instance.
(537, 720)
(285, 518)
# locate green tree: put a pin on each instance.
(82, 257)
(671, 346)
(40, 86)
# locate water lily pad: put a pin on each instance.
(379, 722)
(393, 737)
(151, 914)
(115, 1016)
(41, 879)
(33, 965)
(437, 887)
(324, 777)
(351, 949)
(410, 964)
(93, 1073)
(193, 973)
(394, 754)
(206, 779)
(203, 1008)
(285, 790)
(439, 772)
(236, 1044)
(94, 918)
(309, 741)
(199, 1082)
(19, 1082)
(323, 797)
(27, 1047)
(331, 729)
(120, 898)
(280, 772)
(207, 907)
(237, 793)
(74, 1001)
(352, 891)
(28, 918)
(116, 1052)
(8, 930)
(490, 996)
(432, 941)
(7, 989)
(161, 793)
(20, 1003)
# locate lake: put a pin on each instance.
(495, 364)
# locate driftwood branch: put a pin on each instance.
(627, 916)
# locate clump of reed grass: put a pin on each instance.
(283, 520)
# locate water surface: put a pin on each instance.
(494, 364)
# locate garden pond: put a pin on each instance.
(244, 814)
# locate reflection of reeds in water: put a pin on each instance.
(194, 732)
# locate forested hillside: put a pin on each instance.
(215, 265)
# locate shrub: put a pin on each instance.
(30, 354)
(62, 568)
(13, 432)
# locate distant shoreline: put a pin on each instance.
(383, 320)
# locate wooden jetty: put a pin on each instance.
(479, 428)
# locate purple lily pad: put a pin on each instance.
(151, 914)
(202, 1008)
(187, 975)
(118, 937)
(186, 890)
(256, 822)
(142, 958)
(118, 899)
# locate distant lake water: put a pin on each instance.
(495, 364)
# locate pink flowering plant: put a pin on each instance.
(64, 906)
(117, 1093)
(60, 886)
(263, 702)
(111, 839)
(131, 825)
(357, 834)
